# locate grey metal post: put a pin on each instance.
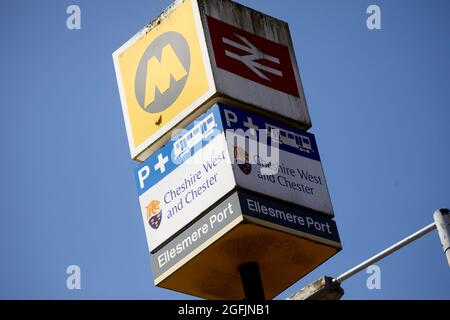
(385, 253)
(320, 290)
(442, 220)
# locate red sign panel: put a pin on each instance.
(252, 57)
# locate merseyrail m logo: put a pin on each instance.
(162, 72)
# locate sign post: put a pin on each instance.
(199, 52)
(200, 165)
(232, 192)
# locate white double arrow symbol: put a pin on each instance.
(253, 54)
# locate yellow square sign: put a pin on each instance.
(163, 74)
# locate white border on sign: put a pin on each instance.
(136, 151)
(270, 98)
(292, 231)
(199, 249)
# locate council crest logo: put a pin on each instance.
(154, 214)
(242, 159)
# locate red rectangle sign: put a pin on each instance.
(252, 57)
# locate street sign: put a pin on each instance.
(287, 242)
(200, 165)
(299, 176)
(194, 239)
(196, 53)
(163, 74)
(185, 177)
(252, 57)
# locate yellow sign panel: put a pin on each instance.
(162, 76)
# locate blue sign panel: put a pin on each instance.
(295, 218)
(289, 139)
(178, 150)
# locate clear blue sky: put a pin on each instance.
(380, 106)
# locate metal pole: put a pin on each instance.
(385, 253)
(251, 281)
